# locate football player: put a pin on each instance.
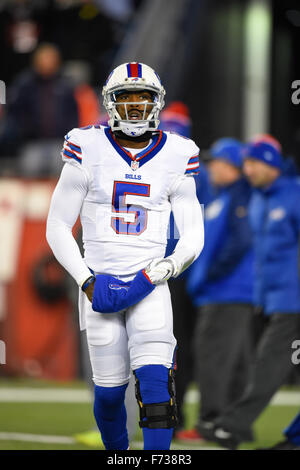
(123, 180)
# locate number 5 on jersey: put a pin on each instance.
(120, 190)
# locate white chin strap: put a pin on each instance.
(134, 129)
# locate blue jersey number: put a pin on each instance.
(120, 191)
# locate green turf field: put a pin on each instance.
(27, 425)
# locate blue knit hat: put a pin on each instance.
(228, 149)
(264, 152)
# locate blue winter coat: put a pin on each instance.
(275, 220)
(223, 273)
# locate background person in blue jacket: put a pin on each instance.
(220, 284)
(275, 219)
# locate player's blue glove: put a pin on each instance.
(113, 295)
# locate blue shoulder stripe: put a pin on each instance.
(194, 171)
(74, 147)
(193, 159)
(71, 155)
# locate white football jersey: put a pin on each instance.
(126, 210)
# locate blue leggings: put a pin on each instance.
(110, 415)
(110, 412)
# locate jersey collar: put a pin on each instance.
(158, 141)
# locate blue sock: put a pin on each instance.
(153, 381)
(110, 415)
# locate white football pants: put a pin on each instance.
(138, 336)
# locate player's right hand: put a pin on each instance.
(160, 270)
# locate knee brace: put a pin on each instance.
(155, 394)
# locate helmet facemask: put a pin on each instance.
(137, 127)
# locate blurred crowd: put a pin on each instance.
(237, 308)
(55, 55)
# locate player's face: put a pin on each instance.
(259, 173)
(136, 110)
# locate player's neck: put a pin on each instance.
(133, 142)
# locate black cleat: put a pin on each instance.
(206, 429)
(225, 438)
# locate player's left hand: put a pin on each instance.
(160, 270)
